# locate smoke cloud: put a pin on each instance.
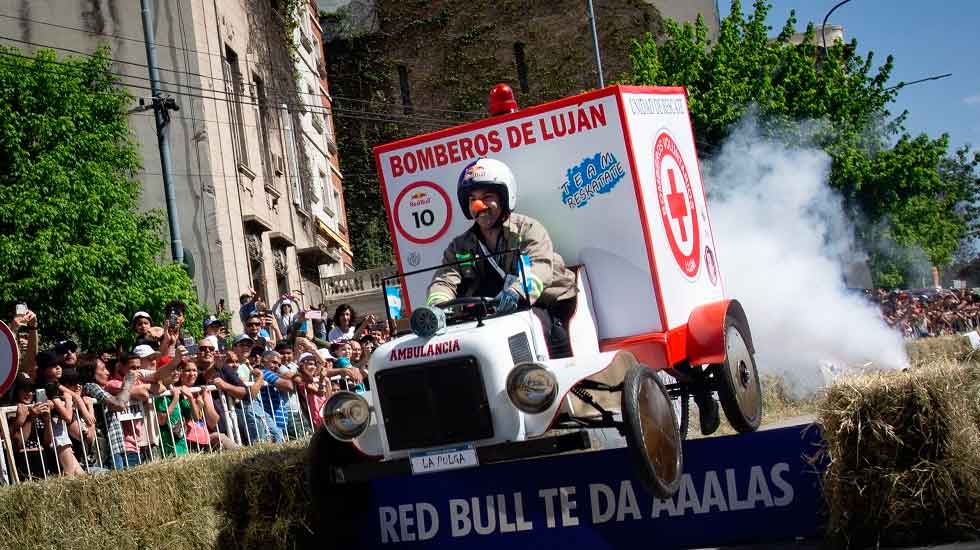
(783, 239)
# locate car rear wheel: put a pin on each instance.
(739, 388)
(652, 432)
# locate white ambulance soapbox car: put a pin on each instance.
(613, 174)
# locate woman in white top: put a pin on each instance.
(343, 324)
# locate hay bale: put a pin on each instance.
(925, 351)
(200, 501)
(904, 456)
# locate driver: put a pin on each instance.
(487, 193)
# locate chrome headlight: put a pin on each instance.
(531, 387)
(427, 321)
(346, 415)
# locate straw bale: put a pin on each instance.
(201, 501)
(925, 351)
(904, 456)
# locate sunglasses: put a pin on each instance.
(204, 349)
(253, 324)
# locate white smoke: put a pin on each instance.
(782, 236)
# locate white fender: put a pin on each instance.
(609, 367)
(369, 442)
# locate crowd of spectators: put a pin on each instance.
(928, 312)
(75, 412)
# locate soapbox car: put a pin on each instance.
(468, 387)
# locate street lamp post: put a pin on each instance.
(823, 26)
(595, 43)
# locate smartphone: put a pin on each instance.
(40, 395)
(314, 314)
(172, 319)
(21, 309)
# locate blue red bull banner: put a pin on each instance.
(758, 487)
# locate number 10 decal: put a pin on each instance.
(423, 212)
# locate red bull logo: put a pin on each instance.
(419, 198)
(475, 171)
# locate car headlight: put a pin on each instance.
(531, 387)
(427, 321)
(346, 415)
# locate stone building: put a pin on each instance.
(245, 146)
(447, 53)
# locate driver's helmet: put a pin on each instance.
(489, 174)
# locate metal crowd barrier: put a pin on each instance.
(142, 434)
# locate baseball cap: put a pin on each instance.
(65, 346)
(303, 356)
(144, 351)
(211, 320)
(143, 314)
(324, 354)
(243, 338)
(47, 359)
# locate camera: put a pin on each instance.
(21, 309)
(40, 395)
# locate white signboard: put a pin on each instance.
(9, 357)
(593, 186)
(673, 197)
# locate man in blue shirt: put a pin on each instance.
(275, 394)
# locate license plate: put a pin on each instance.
(463, 456)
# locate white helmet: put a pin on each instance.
(489, 174)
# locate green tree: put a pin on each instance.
(73, 245)
(884, 175)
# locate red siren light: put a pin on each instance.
(502, 100)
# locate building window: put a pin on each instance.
(329, 207)
(253, 246)
(406, 93)
(235, 88)
(289, 132)
(316, 116)
(521, 62)
(328, 122)
(279, 260)
(264, 125)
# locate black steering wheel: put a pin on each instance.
(481, 307)
(465, 301)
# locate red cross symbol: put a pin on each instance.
(677, 205)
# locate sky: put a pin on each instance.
(926, 39)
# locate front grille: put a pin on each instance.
(431, 404)
(520, 351)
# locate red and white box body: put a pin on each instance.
(614, 176)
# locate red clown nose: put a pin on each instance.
(477, 206)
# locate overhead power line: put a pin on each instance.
(288, 106)
(191, 73)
